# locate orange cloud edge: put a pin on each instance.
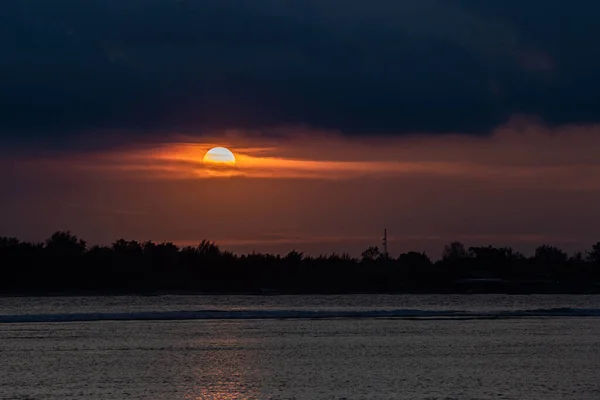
(518, 152)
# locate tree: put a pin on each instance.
(594, 255)
(577, 259)
(455, 251)
(370, 253)
(208, 250)
(494, 255)
(124, 247)
(550, 255)
(414, 260)
(64, 244)
(294, 257)
(8, 242)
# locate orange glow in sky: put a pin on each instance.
(507, 157)
(323, 192)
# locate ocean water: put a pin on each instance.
(300, 347)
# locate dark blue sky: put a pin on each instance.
(146, 67)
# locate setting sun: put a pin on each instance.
(219, 157)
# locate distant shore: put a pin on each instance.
(66, 266)
(474, 291)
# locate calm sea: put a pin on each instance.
(300, 347)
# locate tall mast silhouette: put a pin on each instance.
(385, 246)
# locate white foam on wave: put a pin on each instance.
(297, 314)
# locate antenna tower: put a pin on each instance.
(385, 243)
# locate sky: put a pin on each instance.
(440, 120)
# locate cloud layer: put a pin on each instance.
(147, 67)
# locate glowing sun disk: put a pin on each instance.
(219, 157)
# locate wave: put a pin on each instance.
(297, 314)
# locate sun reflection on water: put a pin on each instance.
(224, 371)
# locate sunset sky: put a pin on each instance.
(440, 120)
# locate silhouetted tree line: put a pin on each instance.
(65, 264)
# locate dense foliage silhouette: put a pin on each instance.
(65, 264)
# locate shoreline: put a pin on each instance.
(283, 293)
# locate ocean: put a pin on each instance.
(300, 347)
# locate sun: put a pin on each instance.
(219, 157)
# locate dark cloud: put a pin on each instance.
(70, 67)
